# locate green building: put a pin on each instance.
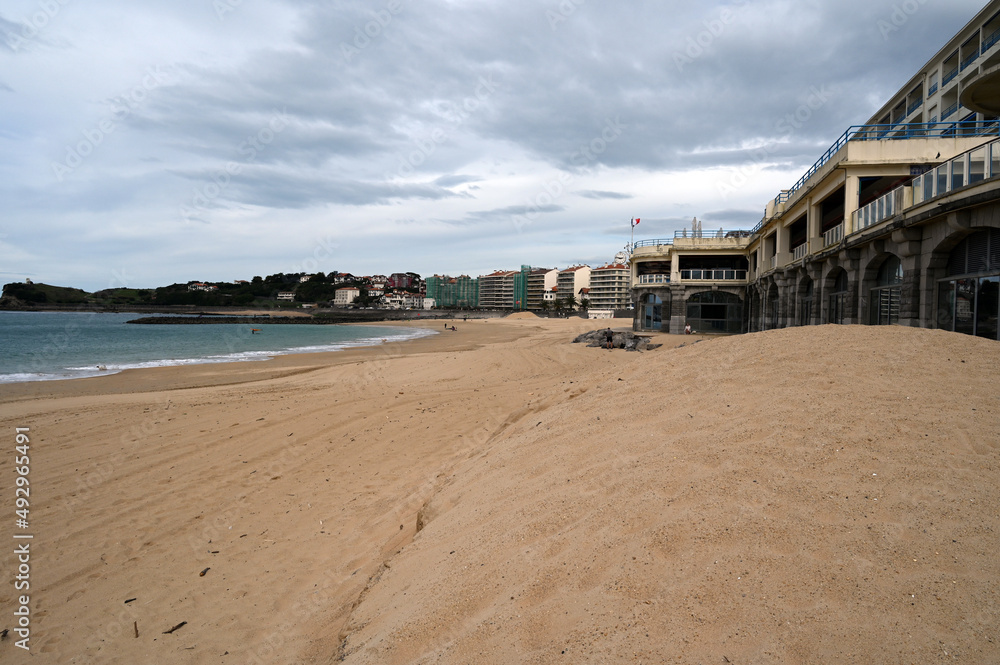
(452, 292)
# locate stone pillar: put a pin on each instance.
(678, 310)
(814, 226)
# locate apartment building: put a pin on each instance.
(571, 282)
(610, 287)
(453, 292)
(540, 282)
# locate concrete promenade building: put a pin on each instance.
(897, 222)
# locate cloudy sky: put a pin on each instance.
(163, 141)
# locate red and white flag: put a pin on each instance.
(635, 222)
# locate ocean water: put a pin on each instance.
(38, 346)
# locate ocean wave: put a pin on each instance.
(89, 371)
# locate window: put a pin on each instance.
(715, 311)
(887, 293)
(968, 302)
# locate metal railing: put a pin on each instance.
(969, 168)
(932, 89)
(990, 41)
(717, 275)
(947, 78)
(880, 209)
(799, 251)
(654, 243)
(834, 235)
(906, 131)
(914, 106)
(971, 59)
(710, 233)
(950, 111)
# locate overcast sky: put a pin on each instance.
(164, 141)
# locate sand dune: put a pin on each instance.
(498, 495)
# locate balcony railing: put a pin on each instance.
(710, 233)
(880, 209)
(654, 243)
(834, 235)
(990, 41)
(969, 60)
(715, 275)
(654, 279)
(946, 79)
(774, 262)
(932, 89)
(800, 251)
(911, 130)
(950, 111)
(914, 106)
(968, 168)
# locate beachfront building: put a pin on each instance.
(453, 292)
(571, 282)
(610, 287)
(898, 222)
(540, 282)
(504, 289)
(695, 278)
(345, 296)
(287, 296)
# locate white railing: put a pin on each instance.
(880, 209)
(716, 275)
(966, 169)
(774, 261)
(834, 235)
(799, 251)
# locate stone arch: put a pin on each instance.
(882, 286)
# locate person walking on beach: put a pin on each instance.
(609, 338)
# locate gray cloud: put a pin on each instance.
(599, 195)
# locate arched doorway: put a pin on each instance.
(836, 306)
(969, 298)
(652, 312)
(715, 311)
(887, 292)
(771, 308)
(805, 301)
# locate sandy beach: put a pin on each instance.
(499, 495)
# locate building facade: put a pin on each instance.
(540, 282)
(453, 292)
(897, 223)
(610, 287)
(571, 282)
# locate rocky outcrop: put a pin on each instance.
(620, 340)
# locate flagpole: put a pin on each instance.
(631, 248)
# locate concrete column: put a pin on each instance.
(678, 310)
(814, 228)
(782, 250)
(851, 192)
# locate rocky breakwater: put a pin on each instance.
(620, 340)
